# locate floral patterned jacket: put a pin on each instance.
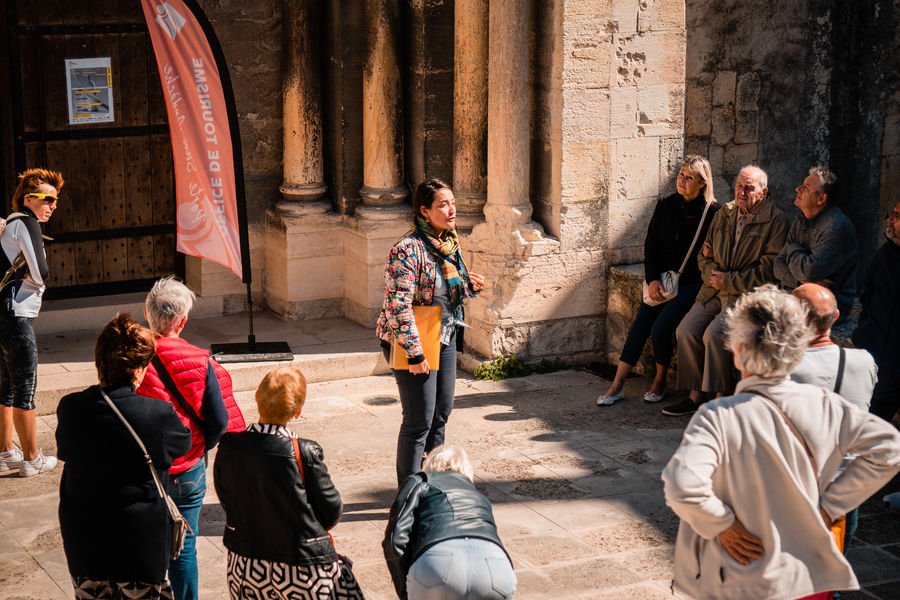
(409, 278)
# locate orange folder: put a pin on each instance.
(428, 323)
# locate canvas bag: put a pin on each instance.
(669, 279)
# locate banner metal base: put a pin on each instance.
(251, 352)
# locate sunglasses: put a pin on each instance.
(892, 215)
(47, 198)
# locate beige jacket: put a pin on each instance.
(738, 458)
(749, 265)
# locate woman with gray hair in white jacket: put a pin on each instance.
(753, 480)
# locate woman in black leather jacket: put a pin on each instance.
(279, 503)
(441, 535)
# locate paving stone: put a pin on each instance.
(22, 578)
(552, 549)
(627, 536)
(893, 549)
(888, 591)
(877, 529)
(533, 586)
(873, 565)
(644, 591)
(590, 576)
(650, 564)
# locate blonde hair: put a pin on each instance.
(30, 183)
(701, 167)
(280, 395)
(449, 458)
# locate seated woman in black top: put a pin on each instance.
(114, 524)
(669, 236)
(279, 504)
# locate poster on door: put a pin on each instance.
(89, 87)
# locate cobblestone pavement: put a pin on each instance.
(576, 491)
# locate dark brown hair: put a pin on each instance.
(123, 348)
(30, 182)
(424, 195)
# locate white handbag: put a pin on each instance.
(669, 279)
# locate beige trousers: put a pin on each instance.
(703, 362)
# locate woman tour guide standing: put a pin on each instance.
(425, 268)
(670, 243)
(23, 267)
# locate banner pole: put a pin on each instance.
(251, 338)
(171, 22)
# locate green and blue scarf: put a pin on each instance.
(445, 250)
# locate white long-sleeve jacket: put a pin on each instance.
(739, 459)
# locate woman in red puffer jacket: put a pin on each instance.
(200, 390)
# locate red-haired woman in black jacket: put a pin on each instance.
(279, 504)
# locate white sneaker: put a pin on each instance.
(11, 460)
(39, 465)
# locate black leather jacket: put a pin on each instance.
(432, 508)
(269, 512)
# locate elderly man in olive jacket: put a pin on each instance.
(743, 240)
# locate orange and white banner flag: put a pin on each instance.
(206, 192)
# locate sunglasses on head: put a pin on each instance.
(47, 198)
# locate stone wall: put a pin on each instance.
(607, 82)
(250, 34)
(790, 85)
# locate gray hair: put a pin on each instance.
(767, 331)
(700, 165)
(763, 176)
(168, 303)
(449, 458)
(827, 178)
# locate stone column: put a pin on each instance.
(470, 110)
(304, 182)
(382, 217)
(509, 110)
(302, 245)
(383, 190)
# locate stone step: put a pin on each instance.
(325, 350)
(91, 314)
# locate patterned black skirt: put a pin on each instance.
(102, 589)
(257, 579)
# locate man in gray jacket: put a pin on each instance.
(821, 244)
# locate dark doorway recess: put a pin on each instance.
(114, 228)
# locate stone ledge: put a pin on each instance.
(625, 284)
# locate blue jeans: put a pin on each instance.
(468, 568)
(427, 401)
(187, 490)
(658, 323)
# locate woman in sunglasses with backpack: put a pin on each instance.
(24, 268)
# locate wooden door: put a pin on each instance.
(114, 227)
